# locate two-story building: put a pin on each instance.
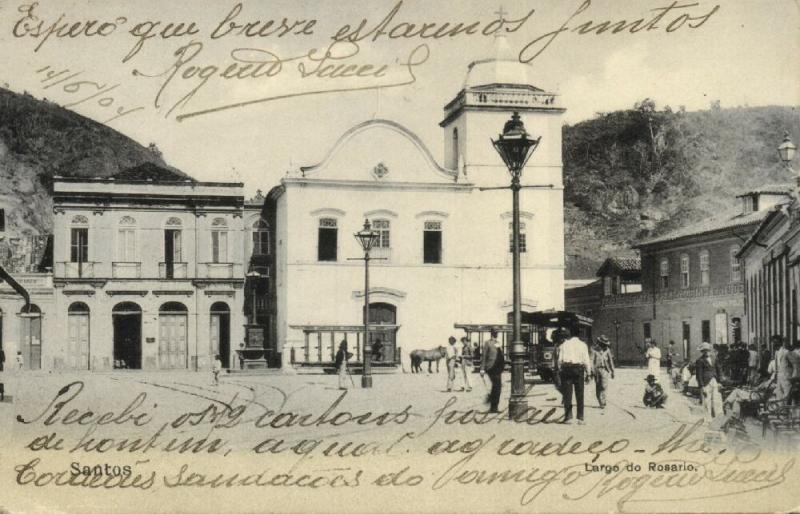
(444, 251)
(692, 284)
(149, 269)
(770, 259)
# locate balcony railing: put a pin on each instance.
(678, 294)
(219, 270)
(126, 269)
(75, 270)
(171, 270)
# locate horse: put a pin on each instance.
(418, 356)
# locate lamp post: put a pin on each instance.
(367, 238)
(616, 336)
(515, 148)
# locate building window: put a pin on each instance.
(736, 265)
(382, 227)
(260, 238)
(646, 330)
(664, 273)
(126, 240)
(172, 246)
(704, 268)
(523, 241)
(455, 148)
(327, 239)
(684, 270)
(219, 240)
(432, 242)
(607, 286)
(705, 329)
(79, 240)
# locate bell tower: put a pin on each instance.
(493, 89)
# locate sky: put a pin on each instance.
(740, 52)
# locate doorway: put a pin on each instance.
(687, 340)
(220, 335)
(31, 337)
(172, 336)
(127, 318)
(78, 336)
(381, 313)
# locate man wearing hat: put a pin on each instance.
(707, 372)
(603, 366)
(452, 357)
(654, 395)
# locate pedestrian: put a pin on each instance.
(2, 359)
(783, 368)
(492, 363)
(671, 354)
(653, 355)
(602, 368)
(654, 395)
(707, 372)
(342, 356)
(20, 361)
(451, 352)
(215, 369)
(466, 361)
(574, 368)
(753, 364)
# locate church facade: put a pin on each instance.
(444, 253)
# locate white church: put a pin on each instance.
(444, 247)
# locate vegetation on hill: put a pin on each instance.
(642, 172)
(38, 140)
(628, 174)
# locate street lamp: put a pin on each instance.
(787, 149)
(367, 238)
(616, 335)
(515, 148)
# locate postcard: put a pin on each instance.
(399, 256)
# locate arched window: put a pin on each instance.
(736, 265)
(219, 240)
(172, 308)
(704, 268)
(78, 308)
(126, 240)
(260, 237)
(173, 222)
(684, 270)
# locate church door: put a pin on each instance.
(383, 314)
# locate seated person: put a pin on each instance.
(377, 350)
(654, 395)
(758, 394)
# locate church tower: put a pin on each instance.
(494, 88)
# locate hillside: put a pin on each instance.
(39, 139)
(642, 172)
(628, 174)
